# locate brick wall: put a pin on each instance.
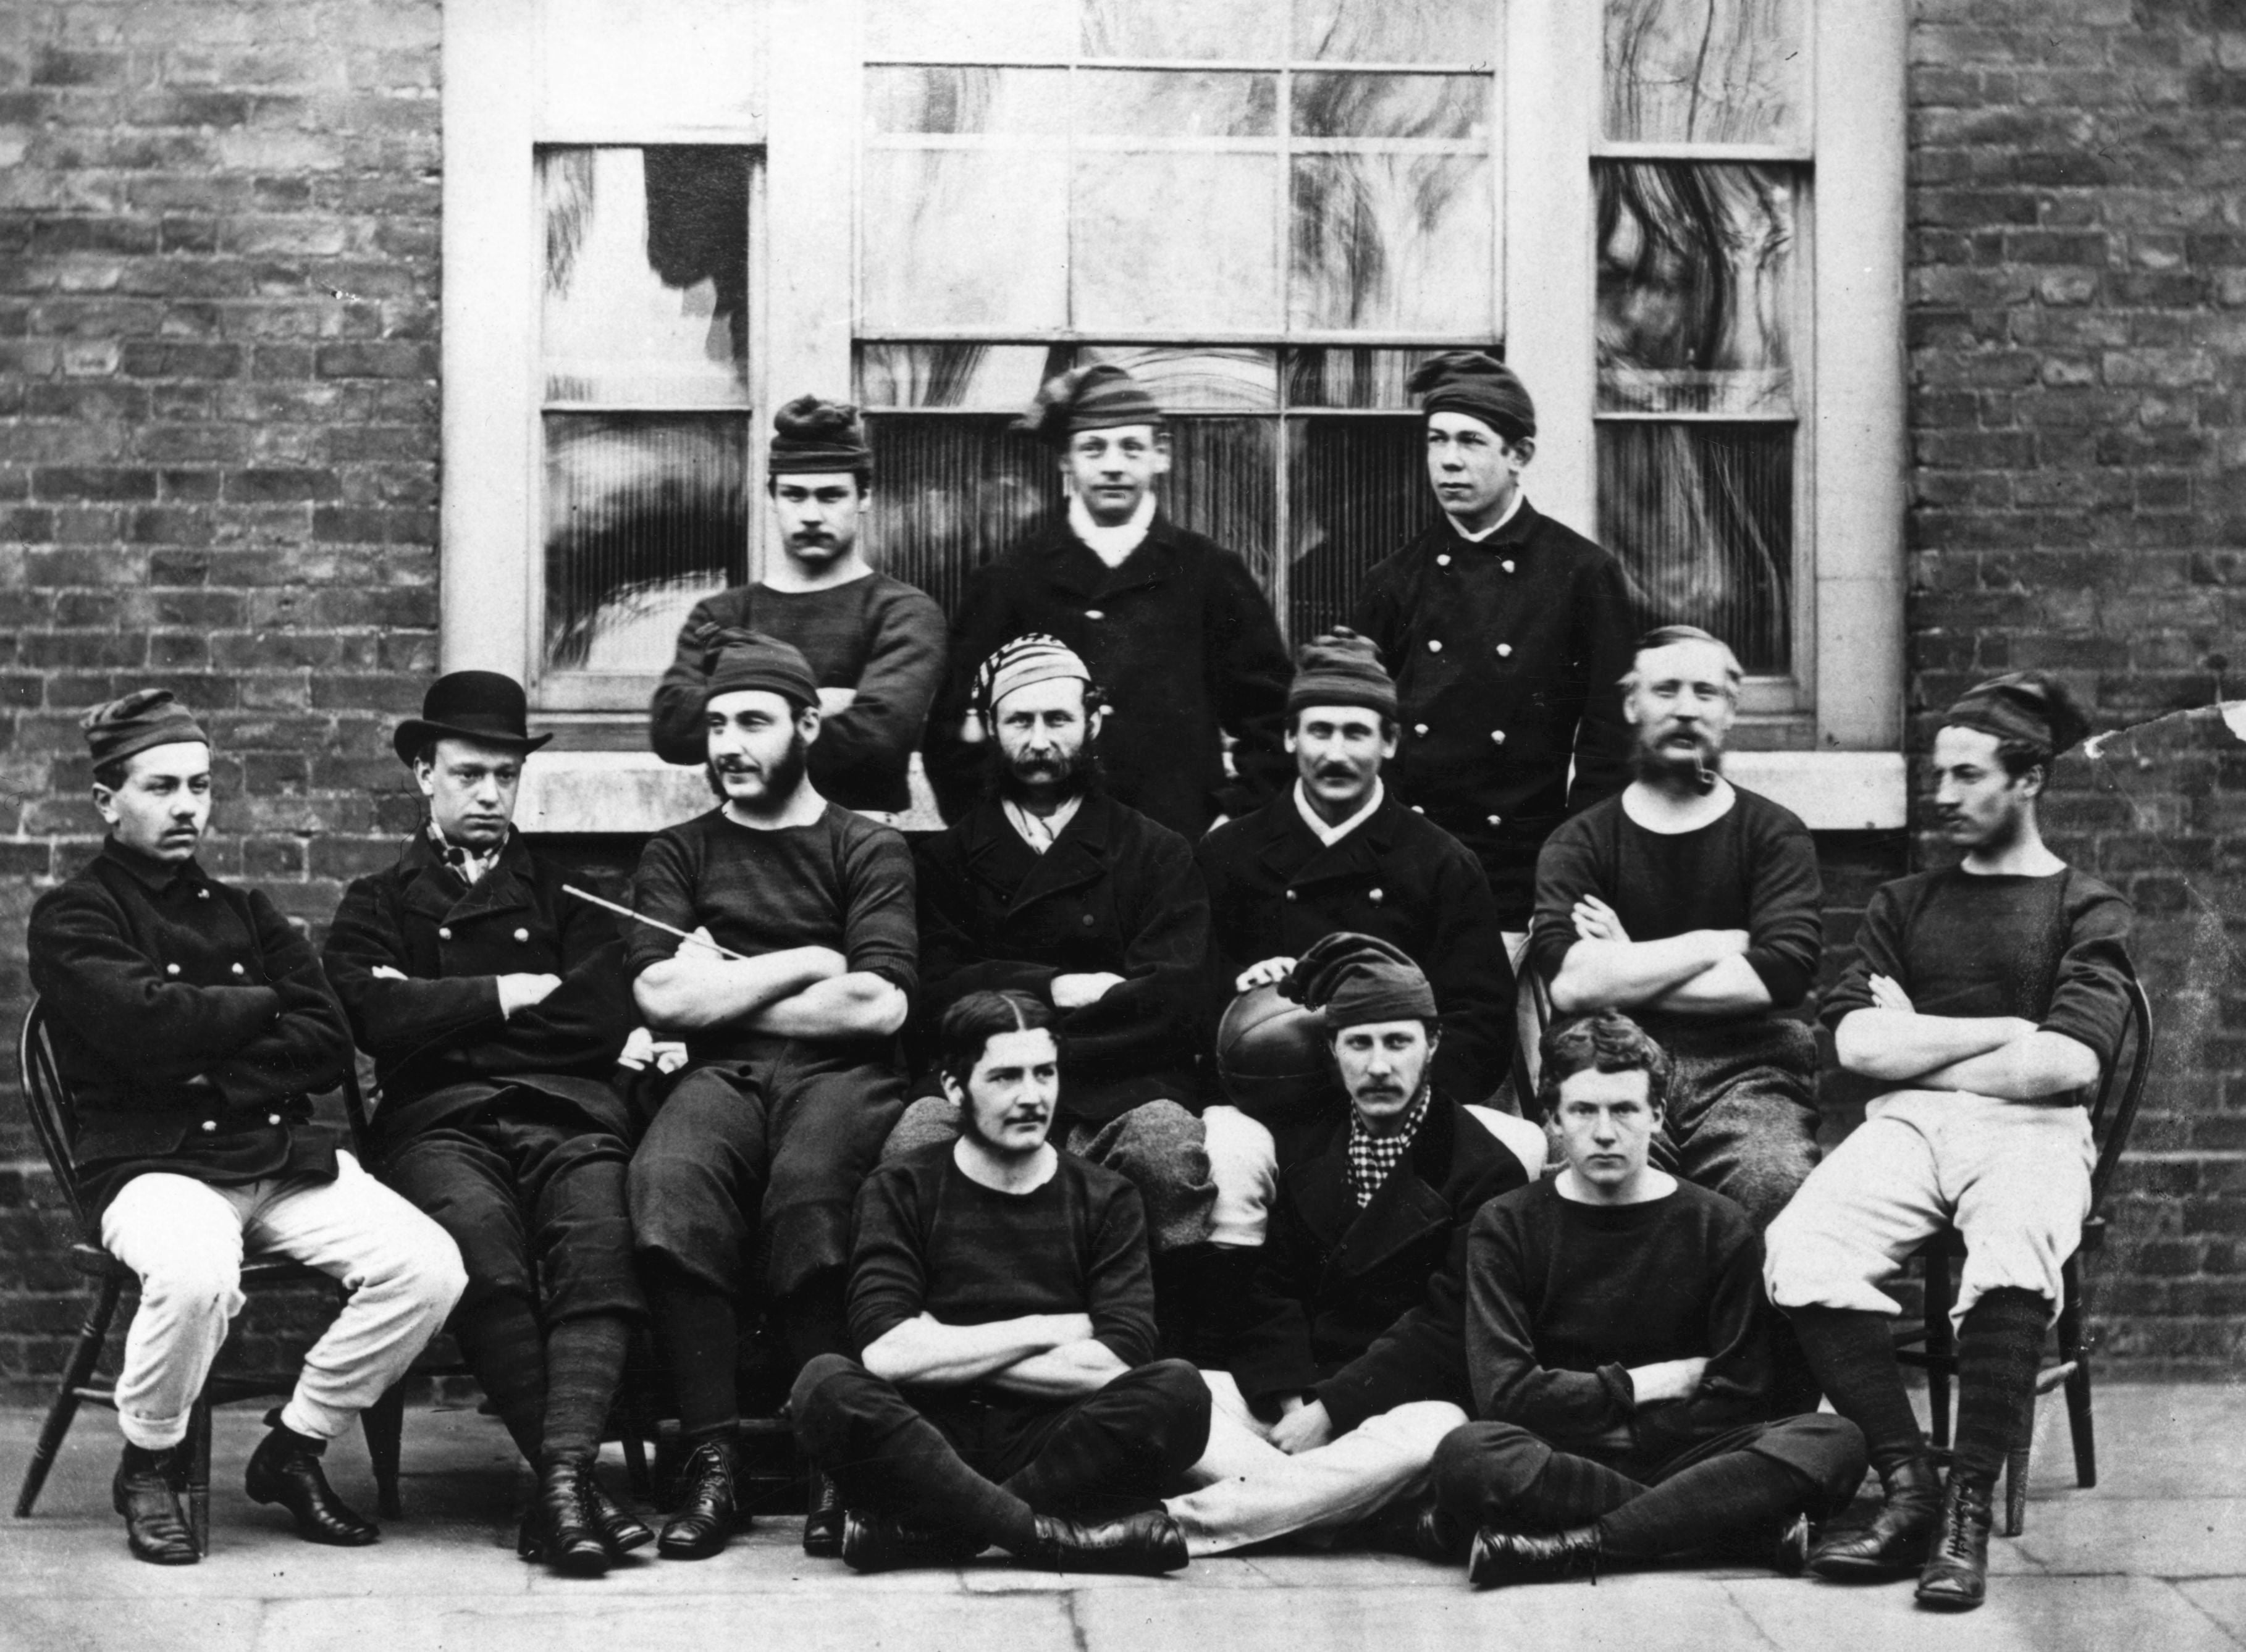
(2077, 354)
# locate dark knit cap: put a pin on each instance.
(143, 718)
(1342, 667)
(812, 434)
(738, 660)
(1100, 397)
(1475, 383)
(2027, 706)
(1354, 979)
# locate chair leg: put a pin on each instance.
(2016, 1480)
(198, 1472)
(85, 1354)
(383, 1423)
(635, 1474)
(1941, 1345)
(2077, 1381)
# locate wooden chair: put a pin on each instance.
(1932, 1346)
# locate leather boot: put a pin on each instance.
(285, 1469)
(1956, 1575)
(1501, 1558)
(1894, 1545)
(822, 1518)
(145, 1492)
(1417, 1528)
(704, 1522)
(876, 1543)
(569, 1539)
(619, 1528)
(1145, 1545)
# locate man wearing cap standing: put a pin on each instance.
(1172, 624)
(1506, 634)
(495, 1008)
(789, 997)
(875, 644)
(1990, 996)
(191, 1024)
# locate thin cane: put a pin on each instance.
(652, 923)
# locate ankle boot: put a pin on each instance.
(145, 1492)
(620, 1529)
(1145, 1545)
(570, 1540)
(704, 1520)
(1894, 1545)
(285, 1469)
(822, 1518)
(1956, 1575)
(1500, 1558)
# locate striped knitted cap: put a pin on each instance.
(1100, 397)
(1476, 383)
(1032, 657)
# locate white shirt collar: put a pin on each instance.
(1329, 835)
(1041, 832)
(1511, 511)
(1111, 545)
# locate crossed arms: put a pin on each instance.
(803, 992)
(1043, 1355)
(1701, 972)
(2004, 1057)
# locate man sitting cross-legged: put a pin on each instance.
(1617, 1343)
(1989, 995)
(1000, 1291)
(1339, 1389)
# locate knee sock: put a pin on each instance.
(500, 1340)
(1999, 1344)
(1573, 1491)
(1853, 1353)
(1719, 1498)
(700, 1334)
(584, 1361)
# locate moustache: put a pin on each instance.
(1333, 772)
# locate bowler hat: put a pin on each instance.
(482, 706)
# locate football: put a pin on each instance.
(1271, 1054)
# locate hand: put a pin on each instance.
(383, 972)
(1595, 921)
(1269, 972)
(1074, 992)
(1886, 995)
(1667, 1380)
(670, 1054)
(522, 991)
(1305, 1428)
(833, 700)
(702, 944)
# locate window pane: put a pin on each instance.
(1401, 243)
(1196, 381)
(1240, 30)
(1221, 483)
(1701, 518)
(989, 31)
(1357, 489)
(1170, 240)
(626, 65)
(1351, 376)
(952, 493)
(990, 377)
(967, 100)
(1706, 72)
(1359, 105)
(647, 285)
(1696, 287)
(646, 515)
(965, 238)
(1396, 30)
(1176, 103)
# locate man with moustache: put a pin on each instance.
(192, 1025)
(1050, 886)
(789, 998)
(875, 644)
(1695, 906)
(1991, 995)
(1007, 1394)
(495, 1008)
(1172, 626)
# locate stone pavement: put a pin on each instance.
(2154, 1558)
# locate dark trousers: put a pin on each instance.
(968, 1459)
(1742, 1114)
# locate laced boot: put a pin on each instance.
(704, 1520)
(569, 1537)
(876, 1543)
(1146, 1545)
(1502, 1557)
(1956, 1575)
(822, 1518)
(1894, 1545)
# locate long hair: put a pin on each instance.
(970, 1024)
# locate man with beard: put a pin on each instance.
(1990, 996)
(192, 1026)
(875, 644)
(1008, 1394)
(789, 997)
(495, 1008)
(1172, 624)
(1695, 906)
(1050, 886)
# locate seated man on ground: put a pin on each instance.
(1695, 905)
(1007, 1393)
(191, 1024)
(1338, 1391)
(790, 998)
(1618, 1346)
(1991, 995)
(495, 1007)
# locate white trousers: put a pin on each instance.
(2014, 1178)
(185, 1239)
(1249, 1490)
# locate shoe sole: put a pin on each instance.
(1853, 1571)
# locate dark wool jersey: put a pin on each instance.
(930, 1240)
(1563, 1299)
(1754, 869)
(2051, 950)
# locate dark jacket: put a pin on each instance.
(441, 1048)
(1327, 1312)
(1274, 889)
(1508, 656)
(183, 1009)
(1115, 893)
(1181, 643)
